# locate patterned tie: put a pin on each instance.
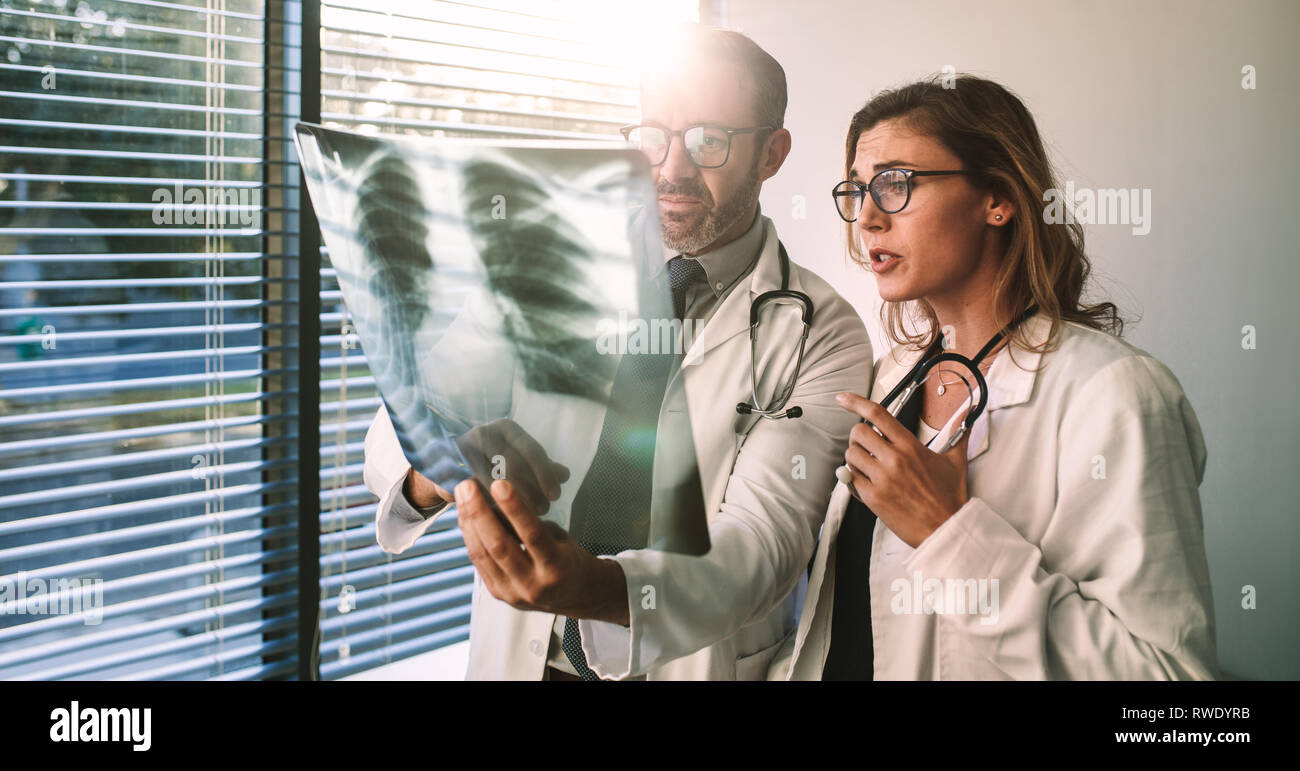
(611, 511)
(683, 272)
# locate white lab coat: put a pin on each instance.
(766, 484)
(1083, 481)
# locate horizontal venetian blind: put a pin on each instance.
(147, 458)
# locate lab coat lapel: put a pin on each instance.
(717, 428)
(1010, 382)
(814, 620)
(889, 371)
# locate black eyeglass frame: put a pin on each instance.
(681, 134)
(865, 190)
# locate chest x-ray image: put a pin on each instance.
(485, 281)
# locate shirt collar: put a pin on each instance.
(722, 266)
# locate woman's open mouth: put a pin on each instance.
(882, 260)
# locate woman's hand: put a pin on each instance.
(911, 488)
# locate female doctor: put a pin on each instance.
(1061, 537)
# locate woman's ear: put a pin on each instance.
(999, 210)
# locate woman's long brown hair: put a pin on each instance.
(989, 129)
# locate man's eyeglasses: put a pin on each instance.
(891, 189)
(707, 146)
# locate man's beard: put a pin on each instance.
(689, 235)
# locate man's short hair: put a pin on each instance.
(703, 44)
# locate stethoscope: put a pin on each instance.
(902, 392)
(777, 409)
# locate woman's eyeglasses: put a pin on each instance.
(707, 146)
(891, 189)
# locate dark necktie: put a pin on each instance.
(851, 656)
(683, 273)
(611, 511)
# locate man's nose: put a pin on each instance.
(677, 165)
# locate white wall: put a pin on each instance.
(1134, 95)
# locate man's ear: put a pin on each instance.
(775, 150)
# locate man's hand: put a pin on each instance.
(423, 492)
(542, 568)
(503, 450)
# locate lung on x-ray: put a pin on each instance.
(492, 286)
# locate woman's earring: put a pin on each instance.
(998, 217)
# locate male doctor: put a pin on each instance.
(543, 606)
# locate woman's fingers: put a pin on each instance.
(878, 416)
(866, 437)
(861, 462)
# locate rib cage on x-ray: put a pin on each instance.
(534, 258)
(538, 278)
(510, 236)
(392, 236)
(476, 272)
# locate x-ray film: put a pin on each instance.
(492, 286)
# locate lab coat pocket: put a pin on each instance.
(755, 665)
(779, 667)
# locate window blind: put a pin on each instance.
(147, 457)
(183, 403)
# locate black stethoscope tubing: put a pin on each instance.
(921, 370)
(755, 308)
